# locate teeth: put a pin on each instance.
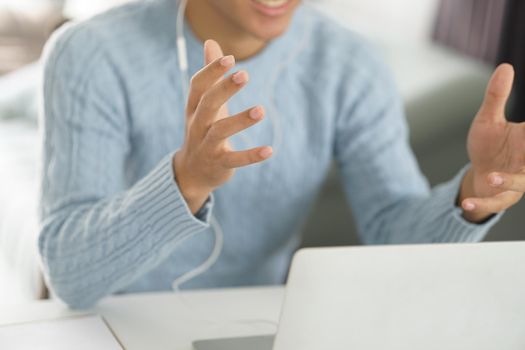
(272, 3)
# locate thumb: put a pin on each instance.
(498, 93)
(212, 51)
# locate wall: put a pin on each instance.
(385, 20)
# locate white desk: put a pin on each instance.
(170, 321)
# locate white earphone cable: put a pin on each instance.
(214, 256)
(182, 50)
(182, 53)
(277, 132)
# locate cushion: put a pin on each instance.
(18, 93)
(18, 209)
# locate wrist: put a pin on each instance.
(468, 189)
(195, 195)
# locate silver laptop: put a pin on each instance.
(460, 296)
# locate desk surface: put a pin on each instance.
(169, 320)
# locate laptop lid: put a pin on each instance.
(460, 296)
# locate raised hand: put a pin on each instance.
(206, 160)
(496, 149)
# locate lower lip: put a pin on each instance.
(271, 11)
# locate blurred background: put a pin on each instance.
(441, 52)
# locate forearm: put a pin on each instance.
(94, 249)
(432, 218)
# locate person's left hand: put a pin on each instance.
(496, 147)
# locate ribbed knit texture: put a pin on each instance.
(113, 218)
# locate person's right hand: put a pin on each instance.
(206, 160)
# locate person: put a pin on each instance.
(134, 173)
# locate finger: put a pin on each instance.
(498, 93)
(213, 99)
(228, 127)
(507, 182)
(239, 159)
(206, 78)
(493, 205)
(212, 51)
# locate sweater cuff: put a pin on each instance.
(460, 229)
(161, 186)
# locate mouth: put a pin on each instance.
(272, 7)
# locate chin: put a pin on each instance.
(268, 27)
(265, 30)
(268, 35)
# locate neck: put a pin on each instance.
(207, 23)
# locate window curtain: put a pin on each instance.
(512, 50)
(492, 31)
(473, 27)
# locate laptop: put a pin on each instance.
(452, 296)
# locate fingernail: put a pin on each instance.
(496, 180)
(469, 206)
(240, 78)
(257, 113)
(227, 61)
(266, 152)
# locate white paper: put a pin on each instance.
(80, 333)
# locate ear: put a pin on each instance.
(212, 51)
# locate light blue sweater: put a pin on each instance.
(113, 218)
